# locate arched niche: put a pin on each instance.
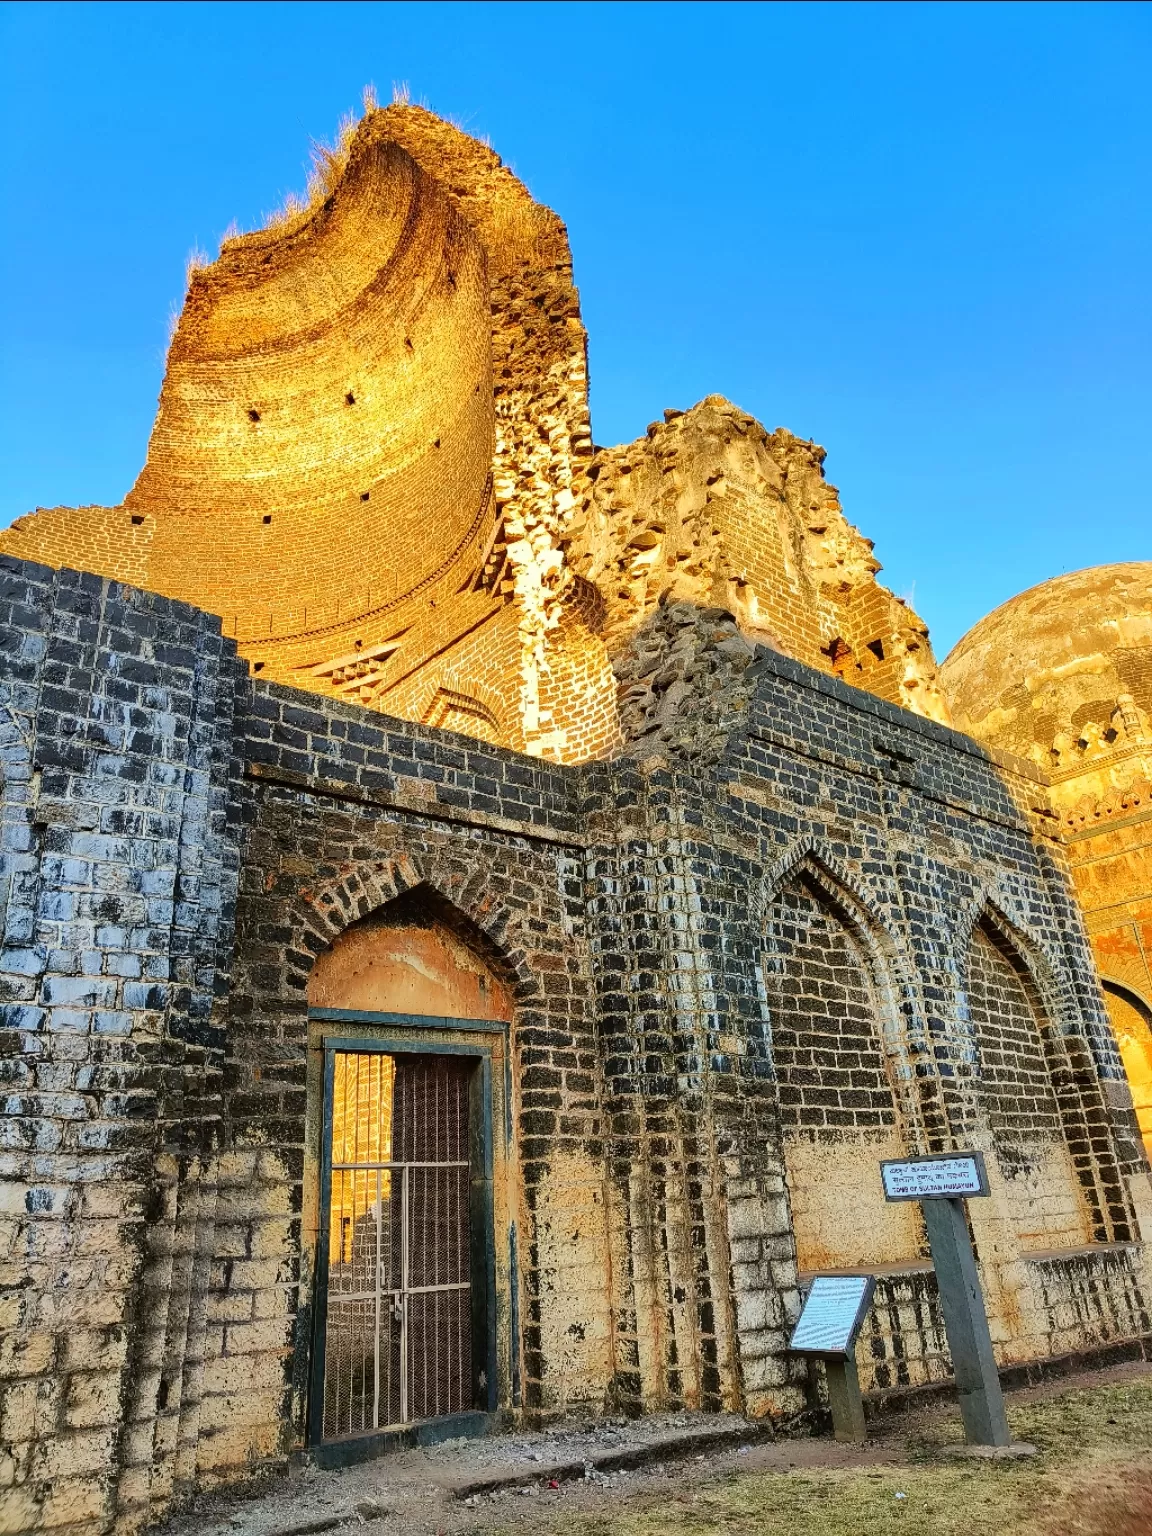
(1025, 1088)
(1132, 1024)
(416, 955)
(829, 999)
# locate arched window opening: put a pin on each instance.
(838, 1110)
(1132, 1024)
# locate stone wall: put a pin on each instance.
(119, 878)
(737, 977)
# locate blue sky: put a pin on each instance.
(921, 234)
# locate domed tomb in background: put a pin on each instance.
(1062, 674)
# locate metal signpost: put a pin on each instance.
(830, 1319)
(942, 1184)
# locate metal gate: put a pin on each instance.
(397, 1343)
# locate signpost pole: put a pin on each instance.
(844, 1398)
(965, 1323)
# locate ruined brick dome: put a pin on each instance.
(329, 380)
(373, 459)
(1062, 668)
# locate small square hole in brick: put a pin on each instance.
(267, 518)
(253, 414)
(349, 398)
(136, 520)
(364, 495)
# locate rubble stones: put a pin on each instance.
(684, 683)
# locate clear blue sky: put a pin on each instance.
(919, 233)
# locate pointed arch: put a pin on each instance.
(995, 906)
(1135, 1000)
(326, 910)
(1131, 1018)
(1037, 1091)
(900, 1016)
(814, 852)
(839, 996)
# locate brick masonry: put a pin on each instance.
(734, 988)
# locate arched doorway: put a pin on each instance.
(409, 1017)
(1132, 1023)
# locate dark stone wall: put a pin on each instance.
(737, 985)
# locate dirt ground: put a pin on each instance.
(1091, 1476)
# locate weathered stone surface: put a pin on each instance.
(711, 509)
(684, 682)
(569, 765)
(804, 930)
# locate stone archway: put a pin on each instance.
(417, 955)
(410, 1011)
(1030, 1096)
(835, 1027)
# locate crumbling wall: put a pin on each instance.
(698, 1071)
(683, 682)
(543, 436)
(713, 509)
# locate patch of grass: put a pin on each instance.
(1092, 1478)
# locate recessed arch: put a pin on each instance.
(1036, 1096)
(1131, 1016)
(847, 1091)
(322, 912)
(995, 909)
(409, 1166)
(893, 975)
(415, 954)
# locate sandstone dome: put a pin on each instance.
(1056, 662)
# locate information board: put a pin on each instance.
(947, 1176)
(833, 1310)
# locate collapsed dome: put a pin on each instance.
(373, 459)
(1055, 659)
(327, 403)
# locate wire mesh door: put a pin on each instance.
(398, 1332)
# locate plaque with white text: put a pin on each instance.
(833, 1310)
(946, 1176)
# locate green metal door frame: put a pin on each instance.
(415, 1036)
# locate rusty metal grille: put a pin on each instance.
(398, 1334)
